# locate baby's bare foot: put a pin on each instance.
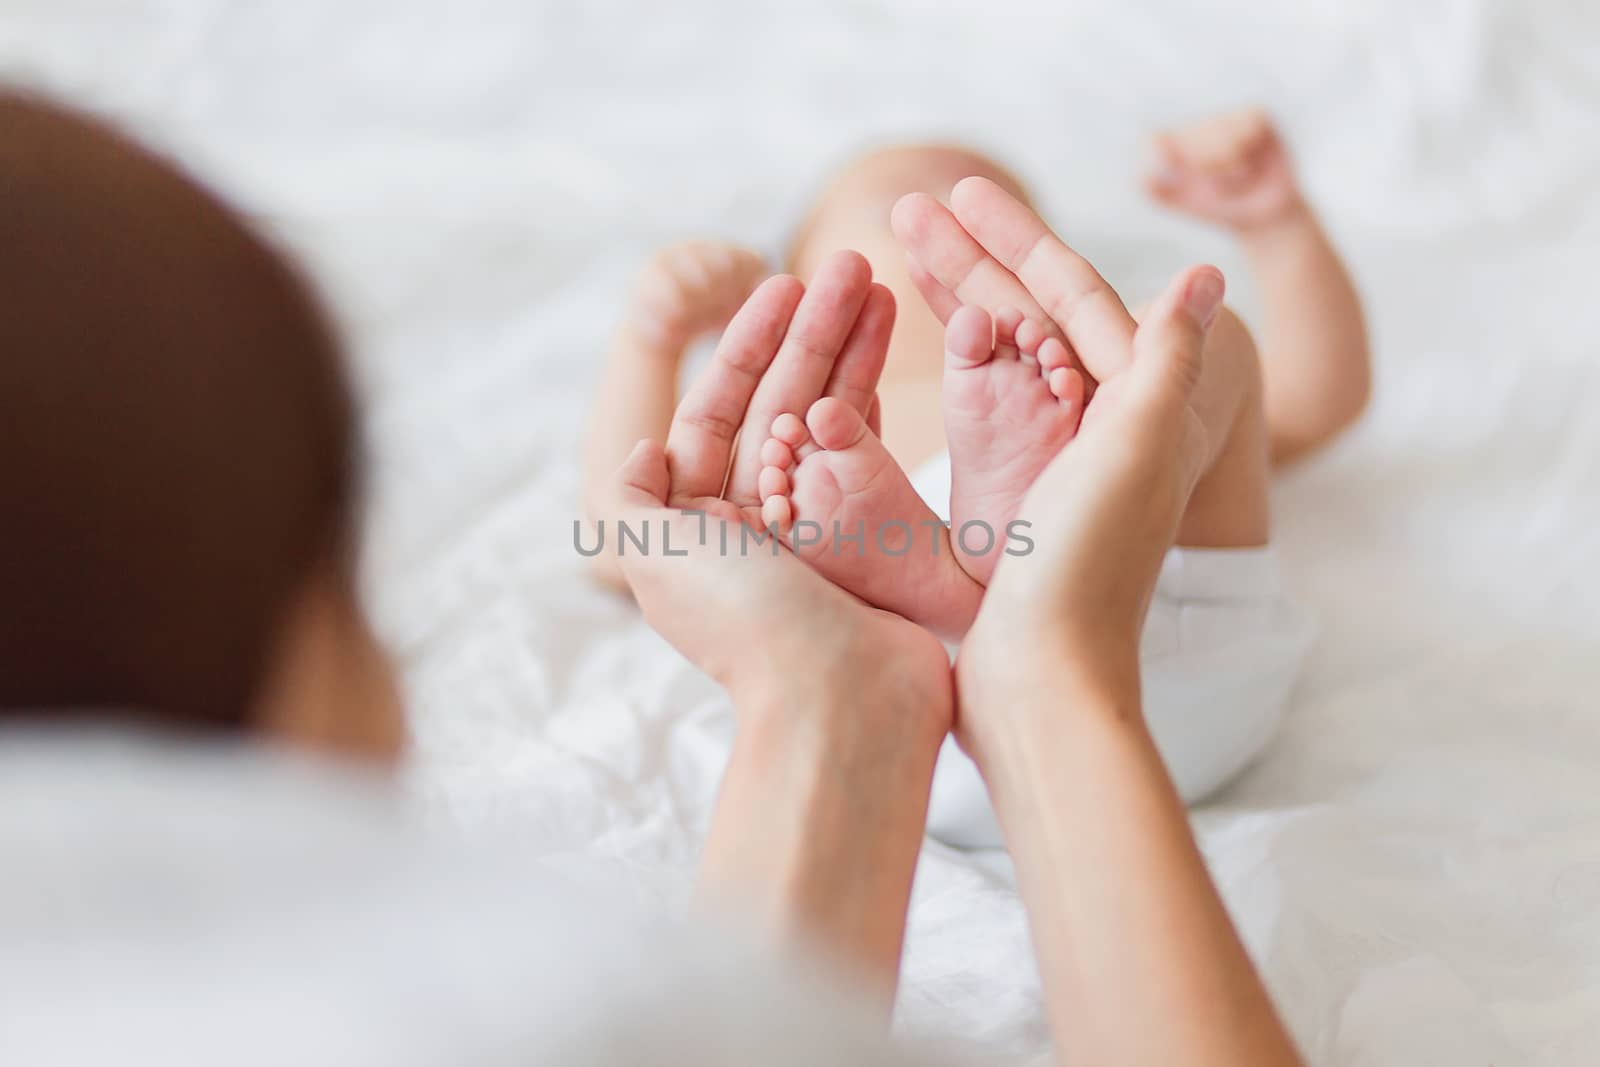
(851, 512)
(1012, 400)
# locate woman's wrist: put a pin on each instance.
(850, 712)
(1037, 701)
(821, 816)
(1117, 890)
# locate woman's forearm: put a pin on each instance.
(820, 818)
(1140, 962)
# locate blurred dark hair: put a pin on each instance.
(177, 435)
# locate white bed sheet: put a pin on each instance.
(1416, 861)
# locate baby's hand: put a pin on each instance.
(1231, 170)
(690, 289)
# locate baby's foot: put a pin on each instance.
(1012, 400)
(848, 509)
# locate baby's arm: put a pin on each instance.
(685, 292)
(1316, 367)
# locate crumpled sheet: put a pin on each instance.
(1415, 862)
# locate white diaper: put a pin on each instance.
(1221, 651)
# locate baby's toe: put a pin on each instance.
(1030, 336)
(1066, 385)
(773, 481)
(1007, 320)
(774, 453)
(1053, 354)
(790, 429)
(776, 511)
(969, 338)
(834, 424)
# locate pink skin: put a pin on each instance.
(1231, 169)
(1012, 400)
(831, 469)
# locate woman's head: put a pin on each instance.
(177, 456)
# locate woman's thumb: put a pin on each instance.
(1170, 342)
(643, 481)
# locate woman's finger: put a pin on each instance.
(855, 375)
(707, 421)
(951, 256)
(1168, 346)
(941, 301)
(643, 482)
(1072, 293)
(798, 374)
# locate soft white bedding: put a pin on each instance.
(1416, 861)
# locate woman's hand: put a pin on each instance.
(1127, 925)
(741, 607)
(709, 577)
(841, 707)
(1103, 515)
(1104, 512)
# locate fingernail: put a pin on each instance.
(1204, 296)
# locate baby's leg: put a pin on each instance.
(1228, 508)
(1316, 369)
(852, 211)
(686, 291)
(869, 532)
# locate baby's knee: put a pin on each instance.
(1230, 365)
(1232, 355)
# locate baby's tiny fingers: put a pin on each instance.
(691, 268)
